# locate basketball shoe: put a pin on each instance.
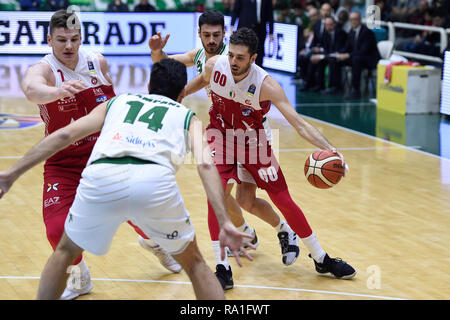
(165, 258)
(289, 246)
(336, 266)
(78, 284)
(224, 276)
(253, 241)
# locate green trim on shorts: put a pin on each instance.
(123, 160)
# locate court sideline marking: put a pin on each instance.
(238, 286)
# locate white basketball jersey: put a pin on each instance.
(87, 70)
(148, 127)
(245, 92)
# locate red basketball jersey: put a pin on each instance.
(236, 105)
(60, 113)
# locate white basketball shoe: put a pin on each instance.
(165, 258)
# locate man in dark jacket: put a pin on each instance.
(360, 52)
(255, 14)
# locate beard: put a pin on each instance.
(212, 50)
(241, 71)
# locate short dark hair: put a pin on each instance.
(168, 78)
(64, 19)
(211, 17)
(246, 37)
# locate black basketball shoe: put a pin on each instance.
(224, 276)
(336, 266)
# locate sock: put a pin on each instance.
(283, 226)
(216, 249)
(245, 228)
(83, 267)
(314, 247)
(151, 243)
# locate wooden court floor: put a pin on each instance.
(389, 218)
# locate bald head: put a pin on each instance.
(355, 19)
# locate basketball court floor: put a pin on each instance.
(388, 218)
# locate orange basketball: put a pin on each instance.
(323, 169)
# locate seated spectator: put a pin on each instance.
(428, 43)
(418, 14)
(300, 17)
(285, 15)
(144, 6)
(334, 41)
(360, 52)
(343, 21)
(312, 83)
(117, 6)
(30, 5)
(304, 48)
(402, 9)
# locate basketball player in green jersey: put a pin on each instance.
(212, 32)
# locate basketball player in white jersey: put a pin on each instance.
(212, 32)
(242, 93)
(130, 175)
(67, 84)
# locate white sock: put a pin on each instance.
(314, 247)
(82, 265)
(151, 243)
(283, 226)
(244, 228)
(217, 254)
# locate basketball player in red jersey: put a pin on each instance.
(67, 85)
(242, 93)
(211, 30)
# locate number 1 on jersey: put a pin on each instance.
(152, 117)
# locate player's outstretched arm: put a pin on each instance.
(202, 80)
(272, 91)
(51, 144)
(156, 44)
(37, 87)
(229, 236)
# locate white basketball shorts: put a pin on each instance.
(145, 194)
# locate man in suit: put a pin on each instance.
(333, 42)
(360, 52)
(255, 14)
(313, 83)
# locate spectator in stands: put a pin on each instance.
(55, 5)
(117, 6)
(313, 83)
(360, 52)
(300, 17)
(418, 14)
(285, 15)
(343, 21)
(304, 49)
(30, 5)
(334, 42)
(144, 6)
(428, 43)
(402, 9)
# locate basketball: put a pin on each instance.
(323, 169)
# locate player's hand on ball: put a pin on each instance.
(341, 156)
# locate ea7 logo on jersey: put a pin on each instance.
(51, 201)
(52, 186)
